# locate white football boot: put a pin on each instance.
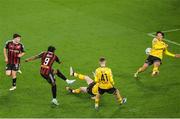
(96, 106)
(70, 81)
(155, 73)
(55, 102)
(136, 75)
(12, 88)
(71, 71)
(124, 100)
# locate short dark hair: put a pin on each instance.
(102, 59)
(160, 33)
(51, 48)
(16, 35)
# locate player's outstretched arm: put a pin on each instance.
(32, 58)
(171, 54)
(5, 55)
(21, 54)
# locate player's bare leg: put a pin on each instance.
(156, 68)
(97, 99)
(61, 75)
(13, 75)
(81, 76)
(119, 98)
(9, 73)
(78, 90)
(141, 69)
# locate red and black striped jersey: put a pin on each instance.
(14, 50)
(47, 60)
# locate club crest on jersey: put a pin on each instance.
(49, 55)
(18, 47)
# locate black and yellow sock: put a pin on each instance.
(118, 96)
(156, 69)
(97, 101)
(119, 100)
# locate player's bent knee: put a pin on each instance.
(53, 84)
(83, 89)
(157, 64)
(8, 73)
(116, 91)
(55, 72)
(14, 72)
(98, 95)
(88, 79)
(14, 76)
(145, 66)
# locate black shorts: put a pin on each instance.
(151, 59)
(90, 87)
(50, 78)
(110, 91)
(13, 67)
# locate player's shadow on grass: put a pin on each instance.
(156, 88)
(118, 110)
(81, 96)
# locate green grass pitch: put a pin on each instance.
(82, 31)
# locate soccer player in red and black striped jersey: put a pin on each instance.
(47, 72)
(13, 51)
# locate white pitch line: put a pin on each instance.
(172, 30)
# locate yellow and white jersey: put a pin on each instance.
(104, 77)
(159, 47)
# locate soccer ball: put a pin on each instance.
(147, 51)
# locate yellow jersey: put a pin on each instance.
(104, 77)
(159, 48)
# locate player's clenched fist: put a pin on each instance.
(177, 55)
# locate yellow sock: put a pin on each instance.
(80, 76)
(77, 91)
(119, 100)
(96, 101)
(156, 69)
(118, 97)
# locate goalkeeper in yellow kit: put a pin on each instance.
(159, 48)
